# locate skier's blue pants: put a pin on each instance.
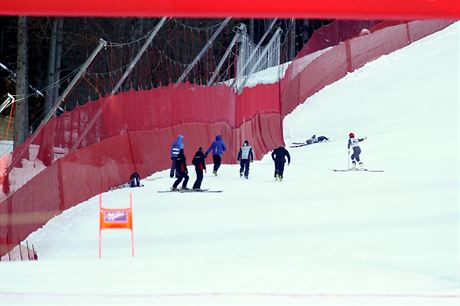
(173, 171)
(182, 175)
(244, 166)
(199, 178)
(217, 159)
(279, 167)
(355, 155)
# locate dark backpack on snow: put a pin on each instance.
(135, 180)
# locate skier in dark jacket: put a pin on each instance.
(217, 147)
(315, 139)
(245, 156)
(354, 144)
(200, 165)
(279, 157)
(182, 172)
(175, 147)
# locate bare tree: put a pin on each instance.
(21, 120)
(58, 57)
(291, 47)
(51, 75)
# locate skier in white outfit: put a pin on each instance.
(354, 144)
(245, 156)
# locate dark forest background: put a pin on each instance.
(38, 52)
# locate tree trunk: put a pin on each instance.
(292, 51)
(50, 77)
(251, 29)
(58, 57)
(21, 120)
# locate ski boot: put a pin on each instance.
(214, 173)
(277, 177)
(246, 177)
(353, 165)
(174, 189)
(241, 174)
(361, 165)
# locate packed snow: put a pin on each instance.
(317, 238)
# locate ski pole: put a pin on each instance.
(348, 159)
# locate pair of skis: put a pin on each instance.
(298, 145)
(356, 169)
(191, 190)
(303, 144)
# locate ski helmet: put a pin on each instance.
(351, 135)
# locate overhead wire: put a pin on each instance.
(197, 28)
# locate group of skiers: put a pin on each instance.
(245, 157)
(179, 162)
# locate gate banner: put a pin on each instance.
(113, 218)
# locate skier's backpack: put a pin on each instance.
(135, 180)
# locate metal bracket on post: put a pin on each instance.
(8, 101)
(255, 50)
(240, 29)
(267, 47)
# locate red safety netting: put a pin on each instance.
(66, 162)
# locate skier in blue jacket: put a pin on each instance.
(175, 148)
(354, 144)
(217, 147)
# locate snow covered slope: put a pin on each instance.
(317, 238)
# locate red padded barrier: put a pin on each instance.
(334, 33)
(271, 129)
(26, 211)
(136, 128)
(365, 49)
(95, 169)
(326, 69)
(169, 106)
(5, 226)
(419, 29)
(150, 150)
(352, 9)
(330, 66)
(260, 99)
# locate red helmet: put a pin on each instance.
(351, 135)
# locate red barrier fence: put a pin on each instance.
(136, 128)
(352, 9)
